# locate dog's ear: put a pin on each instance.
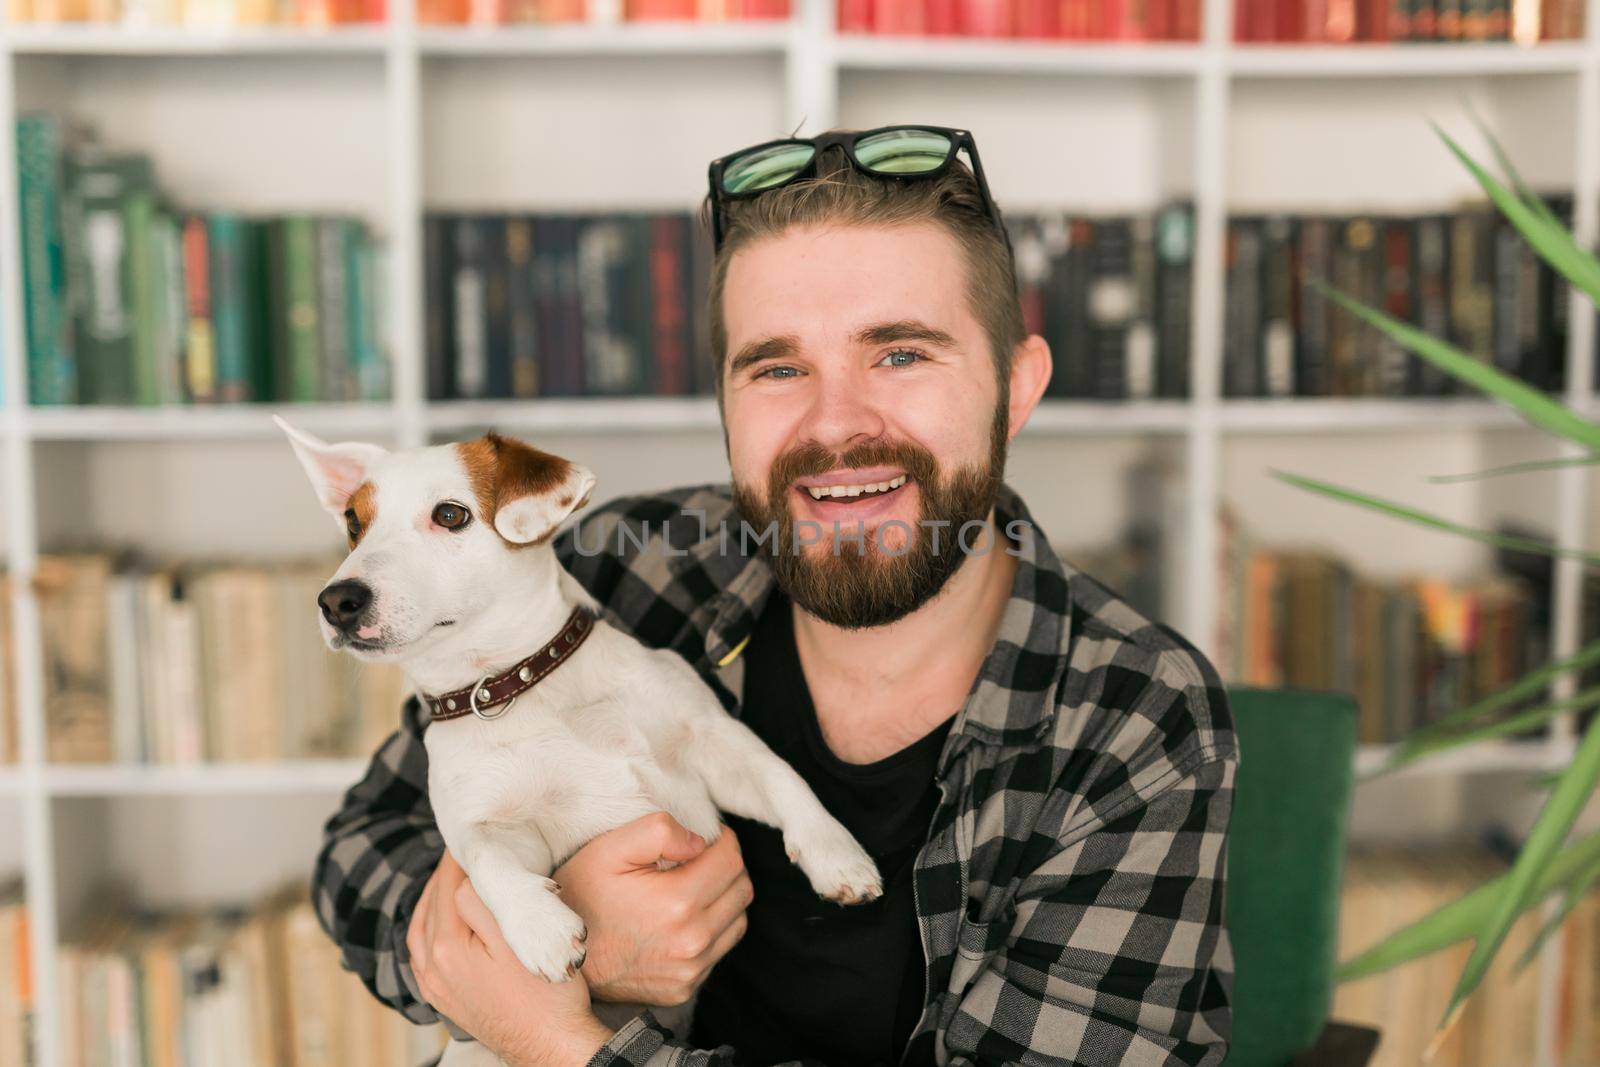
(336, 471)
(533, 490)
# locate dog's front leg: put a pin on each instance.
(747, 778)
(509, 866)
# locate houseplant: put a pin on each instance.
(1549, 862)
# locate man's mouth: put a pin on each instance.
(851, 491)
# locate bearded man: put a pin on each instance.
(1042, 775)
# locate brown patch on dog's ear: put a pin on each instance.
(363, 503)
(503, 470)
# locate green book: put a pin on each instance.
(367, 360)
(292, 264)
(334, 281)
(106, 194)
(232, 278)
(144, 283)
(52, 370)
(171, 309)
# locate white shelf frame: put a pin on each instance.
(814, 59)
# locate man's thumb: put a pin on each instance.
(663, 842)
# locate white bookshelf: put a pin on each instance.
(1205, 104)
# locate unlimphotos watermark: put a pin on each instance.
(967, 538)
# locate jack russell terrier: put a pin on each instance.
(549, 726)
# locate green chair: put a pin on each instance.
(1285, 860)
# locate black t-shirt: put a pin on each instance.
(811, 979)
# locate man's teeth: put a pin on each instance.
(818, 492)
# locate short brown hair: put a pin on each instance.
(839, 193)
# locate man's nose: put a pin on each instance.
(343, 602)
(842, 414)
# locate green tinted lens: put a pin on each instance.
(903, 151)
(765, 167)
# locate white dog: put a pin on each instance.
(451, 575)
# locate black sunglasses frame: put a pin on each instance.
(959, 140)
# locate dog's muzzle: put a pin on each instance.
(344, 603)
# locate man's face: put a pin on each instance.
(860, 391)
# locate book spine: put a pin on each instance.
(1174, 238)
(1241, 365)
(199, 349)
(468, 287)
(171, 322)
(522, 299)
(370, 372)
(1112, 299)
(1315, 240)
(1394, 370)
(302, 319)
(336, 377)
(141, 264)
(1277, 330)
(439, 300)
(52, 371)
(496, 305)
(669, 324)
(1432, 274)
(231, 273)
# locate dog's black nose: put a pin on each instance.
(343, 602)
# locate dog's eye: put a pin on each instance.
(451, 516)
(352, 524)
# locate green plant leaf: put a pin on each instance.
(1537, 408)
(1544, 841)
(1593, 459)
(1552, 241)
(1422, 518)
(1410, 753)
(1463, 917)
(1509, 169)
(1575, 891)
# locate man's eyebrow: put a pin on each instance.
(886, 333)
(759, 351)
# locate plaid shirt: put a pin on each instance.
(1070, 892)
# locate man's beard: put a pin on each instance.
(853, 583)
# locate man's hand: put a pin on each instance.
(467, 972)
(654, 935)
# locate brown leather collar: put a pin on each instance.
(490, 693)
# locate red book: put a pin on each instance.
(1244, 28)
(658, 10)
(1037, 19)
(199, 378)
(940, 18)
(897, 16)
(1291, 20)
(1186, 20)
(984, 18)
(1372, 20)
(763, 9)
(667, 291)
(855, 16)
(1158, 19)
(1074, 19)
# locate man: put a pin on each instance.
(1042, 775)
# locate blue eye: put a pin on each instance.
(902, 357)
(773, 372)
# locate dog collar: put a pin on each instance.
(502, 690)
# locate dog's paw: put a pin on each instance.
(838, 867)
(551, 941)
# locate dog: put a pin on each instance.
(452, 575)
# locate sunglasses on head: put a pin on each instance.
(902, 153)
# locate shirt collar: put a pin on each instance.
(1013, 697)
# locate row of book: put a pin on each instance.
(1375, 21)
(206, 14)
(132, 300)
(256, 987)
(1467, 277)
(565, 305)
(1409, 650)
(1384, 890)
(1078, 20)
(201, 662)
